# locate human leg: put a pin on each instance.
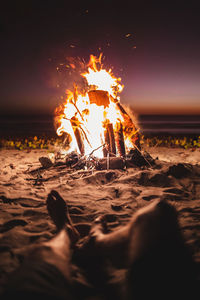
(161, 266)
(46, 270)
(152, 247)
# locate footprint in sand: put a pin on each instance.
(11, 224)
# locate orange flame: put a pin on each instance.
(102, 79)
(81, 116)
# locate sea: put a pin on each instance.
(149, 125)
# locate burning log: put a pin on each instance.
(131, 129)
(77, 132)
(106, 149)
(111, 139)
(130, 126)
(119, 138)
(102, 109)
(99, 97)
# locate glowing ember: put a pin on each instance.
(96, 117)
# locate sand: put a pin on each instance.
(24, 219)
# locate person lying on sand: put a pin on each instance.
(150, 246)
(152, 249)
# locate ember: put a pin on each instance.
(95, 120)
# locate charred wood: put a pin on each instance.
(139, 159)
(119, 138)
(114, 163)
(78, 136)
(111, 139)
(130, 128)
(106, 149)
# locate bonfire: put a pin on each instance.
(94, 120)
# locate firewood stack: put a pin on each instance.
(114, 139)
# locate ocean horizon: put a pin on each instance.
(156, 125)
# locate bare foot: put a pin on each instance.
(59, 213)
(57, 209)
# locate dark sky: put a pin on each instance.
(154, 49)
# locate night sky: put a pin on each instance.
(154, 49)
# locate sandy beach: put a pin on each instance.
(24, 219)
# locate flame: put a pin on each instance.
(102, 79)
(80, 116)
